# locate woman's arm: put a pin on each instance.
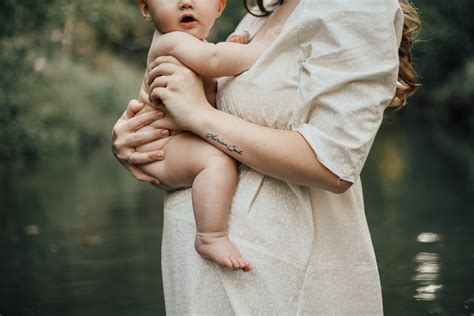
(282, 154)
(208, 59)
(278, 153)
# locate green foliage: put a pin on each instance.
(444, 59)
(69, 67)
(57, 92)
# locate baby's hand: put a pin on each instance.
(239, 38)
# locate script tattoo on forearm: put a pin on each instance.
(231, 148)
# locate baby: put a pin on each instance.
(182, 26)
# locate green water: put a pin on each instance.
(79, 237)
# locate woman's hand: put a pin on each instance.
(126, 137)
(180, 90)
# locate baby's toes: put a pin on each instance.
(242, 262)
(246, 267)
(235, 262)
(228, 263)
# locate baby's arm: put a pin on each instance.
(207, 59)
(157, 48)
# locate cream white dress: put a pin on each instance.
(329, 76)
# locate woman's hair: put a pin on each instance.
(260, 8)
(407, 77)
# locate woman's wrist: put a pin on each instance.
(202, 119)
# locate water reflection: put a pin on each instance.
(82, 238)
(428, 237)
(427, 271)
(81, 242)
(421, 219)
(428, 292)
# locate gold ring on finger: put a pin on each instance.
(129, 158)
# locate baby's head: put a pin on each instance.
(195, 17)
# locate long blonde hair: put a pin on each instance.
(407, 77)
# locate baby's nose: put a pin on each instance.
(186, 4)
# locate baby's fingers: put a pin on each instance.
(240, 38)
(233, 39)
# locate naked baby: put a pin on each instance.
(182, 26)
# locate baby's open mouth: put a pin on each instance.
(187, 19)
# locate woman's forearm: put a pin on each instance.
(282, 154)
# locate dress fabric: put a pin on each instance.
(329, 75)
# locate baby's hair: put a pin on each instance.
(407, 77)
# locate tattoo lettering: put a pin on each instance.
(231, 148)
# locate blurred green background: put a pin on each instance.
(79, 236)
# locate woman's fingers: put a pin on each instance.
(139, 158)
(159, 82)
(143, 177)
(164, 69)
(133, 107)
(141, 138)
(156, 145)
(137, 122)
(165, 59)
(158, 94)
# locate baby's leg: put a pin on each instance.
(213, 176)
(213, 189)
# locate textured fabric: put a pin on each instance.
(329, 75)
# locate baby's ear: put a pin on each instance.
(143, 6)
(220, 9)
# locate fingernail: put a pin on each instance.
(165, 132)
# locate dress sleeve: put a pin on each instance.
(348, 77)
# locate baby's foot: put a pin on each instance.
(219, 248)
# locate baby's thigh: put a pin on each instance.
(186, 155)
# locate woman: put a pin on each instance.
(304, 116)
